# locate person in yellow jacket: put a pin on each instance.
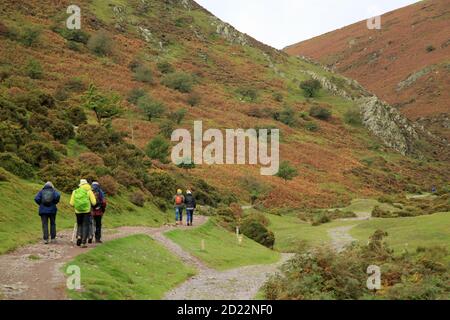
(82, 199)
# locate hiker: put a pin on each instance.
(190, 203)
(178, 200)
(82, 199)
(47, 199)
(97, 212)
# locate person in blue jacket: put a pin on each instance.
(47, 199)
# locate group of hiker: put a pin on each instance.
(89, 203)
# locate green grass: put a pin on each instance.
(222, 250)
(20, 223)
(290, 231)
(132, 268)
(410, 233)
(365, 206)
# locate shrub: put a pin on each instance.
(162, 185)
(151, 108)
(286, 171)
(158, 149)
(33, 69)
(311, 126)
(186, 164)
(353, 117)
(73, 35)
(277, 96)
(74, 46)
(61, 130)
(3, 175)
(76, 115)
(310, 87)
(166, 128)
(137, 198)
(320, 112)
(126, 178)
(75, 85)
(287, 116)
(377, 212)
(193, 99)
(109, 185)
(135, 94)
(430, 48)
(165, 67)
(162, 204)
(16, 166)
(101, 44)
(143, 74)
(248, 94)
(258, 216)
(256, 231)
(38, 154)
(320, 218)
(180, 81)
(178, 115)
(91, 159)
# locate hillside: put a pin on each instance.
(183, 59)
(406, 62)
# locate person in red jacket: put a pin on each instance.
(97, 212)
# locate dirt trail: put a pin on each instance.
(34, 272)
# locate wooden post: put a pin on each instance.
(202, 244)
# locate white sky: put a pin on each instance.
(284, 22)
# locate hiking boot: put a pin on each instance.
(90, 241)
(84, 245)
(53, 241)
(78, 242)
(45, 241)
(98, 241)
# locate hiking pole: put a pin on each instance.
(74, 232)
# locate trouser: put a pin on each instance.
(97, 222)
(190, 214)
(44, 219)
(178, 213)
(83, 221)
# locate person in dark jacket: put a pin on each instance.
(189, 202)
(47, 199)
(98, 211)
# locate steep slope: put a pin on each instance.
(232, 81)
(406, 62)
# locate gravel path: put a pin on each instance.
(33, 272)
(340, 238)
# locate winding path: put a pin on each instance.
(33, 272)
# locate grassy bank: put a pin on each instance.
(222, 250)
(132, 268)
(409, 233)
(20, 223)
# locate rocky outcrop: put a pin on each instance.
(228, 32)
(389, 125)
(414, 77)
(381, 119)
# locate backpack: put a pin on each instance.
(178, 199)
(48, 196)
(99, 199)
(82, 203)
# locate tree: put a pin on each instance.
(104, 106)
(310, 87)
(178, 115)
(151, 108)
(286, 171)
(158, 149)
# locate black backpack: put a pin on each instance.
(48, 195)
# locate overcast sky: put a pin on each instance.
(283, 22)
